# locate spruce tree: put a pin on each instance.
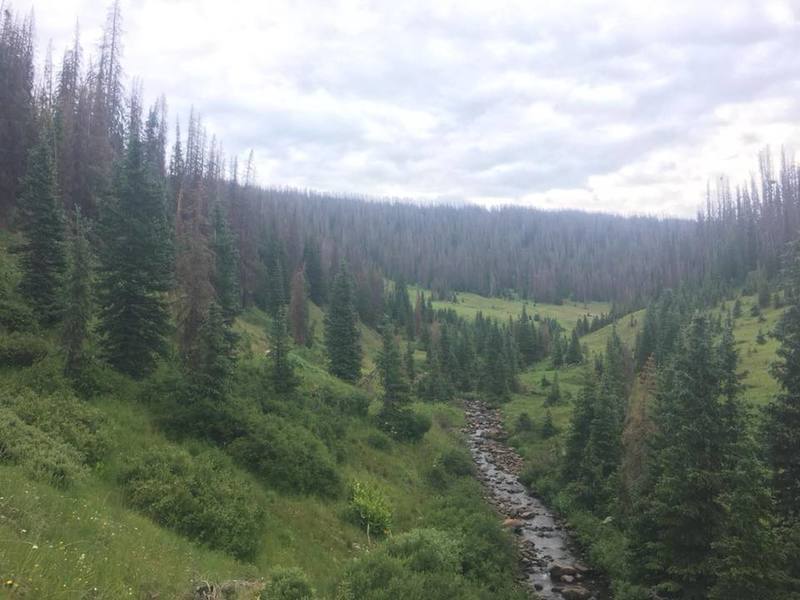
(281, 372)
(411, 371)
(390, 367)
(78, 297)
(342, 337)
(226, 266)
(317, 290)
(136, 261)
(216, 355)
(43, 259)
(783, 413)
(554, 394)
(573, 354)
(680, 516)
(298, 308)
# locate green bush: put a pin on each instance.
(370, 508)
(63, 417)
(404, 424)
(41, 455)
(353, 404)
(457, 462)
(199, 496)
(423, 564)
(450, 464)
(524, 423)
(288, 584)
(427, 550)
(16, 317)
(21, 349)
(378, 440)
(286, 456)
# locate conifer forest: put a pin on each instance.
(217, 386)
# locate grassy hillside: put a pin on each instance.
(81, 537)
(468, 305)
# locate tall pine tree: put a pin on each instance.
(78, 297)
(136, 265)
(43, 259)
(342, 337)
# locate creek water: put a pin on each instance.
(548, 557)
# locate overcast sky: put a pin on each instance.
(627, 106)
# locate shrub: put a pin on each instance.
(288, 584)
(21, 349)
(286, 456)
(200, 497)
(524, 423)
(427, 550)
(16, 317)
(65, 418)
(370, 508)
(42, 456)
(404, 424)
(448, 465)
(378, 440)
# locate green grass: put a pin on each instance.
(62, 544)
(468, 305)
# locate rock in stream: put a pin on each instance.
(547, 558)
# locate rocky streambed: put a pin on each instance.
(548, 559)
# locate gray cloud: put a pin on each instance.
(625, 106)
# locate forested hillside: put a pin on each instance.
(212, 386)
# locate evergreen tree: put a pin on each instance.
(298, 308)
(557, 351)
(276, 287)
(411, 371)
(226, 266)
(317, 289)
(681, 516)
(78, 309)
(573, 354)
(216, 355)
(554, 394)
(135, 267)
(526, 338)
(342, 337)
(281, 372)
(43, 259)
(548, 427)
(783, 413)
(390, 367)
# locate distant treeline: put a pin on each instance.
(534, 254)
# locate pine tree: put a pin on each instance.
(573, 354)
(411, 371)
(298, 308)
(78, 309)
(226, 266)
(681, 517)
(317, 290)
(135, 262)
(216, 355)
(557, 351)
(43, 258)
(276, 298)
(548, 427)
(342, 337)
(783, 413)
(281, 372)
(554, 394)
(390, 367)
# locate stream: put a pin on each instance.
(548, 558)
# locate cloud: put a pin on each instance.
(620, 106)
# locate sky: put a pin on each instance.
(628, 107)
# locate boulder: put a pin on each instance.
(575, 592)
(514, 524)
(558, 570)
